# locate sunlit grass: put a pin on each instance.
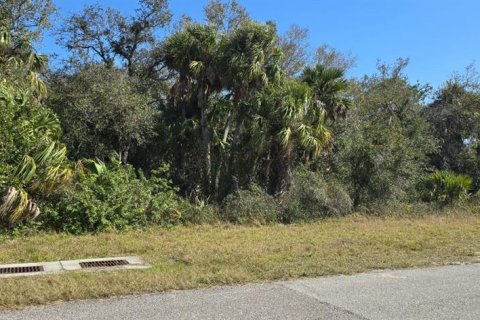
(197, 256)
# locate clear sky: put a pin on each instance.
(439, 36)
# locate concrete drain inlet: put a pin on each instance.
(103, 264)
(39, 268)
(13, 270)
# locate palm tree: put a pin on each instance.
(43, 166)
(286, 122)
(193, 53)
(329, 87)
(249, 61)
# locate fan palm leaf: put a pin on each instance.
(329, 87)
(26, 170)
(16, 205)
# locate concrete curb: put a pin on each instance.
(54, 267)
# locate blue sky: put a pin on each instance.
(440, 37)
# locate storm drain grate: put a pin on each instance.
(28, 269)
(103, 263)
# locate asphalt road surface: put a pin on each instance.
(450, 292)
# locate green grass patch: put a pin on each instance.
(199, 256)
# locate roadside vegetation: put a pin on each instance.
(208, 146)
(218, 120)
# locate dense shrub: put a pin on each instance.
(445, 187)
(250, 206)
(5, 175)
(311, 197)
(475, 198)
(115, 199)
(380, 149)
(198, 212)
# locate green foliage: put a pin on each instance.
(445, 187)
(196, 212)
(226, 104)
(32, 160)
(26, 20)
(105, 35)
(250, 58)
(5, 175)
(475, 198)
(381, 149)
(330, 88)
(455, 119)
(102, 112)
(286, 123)
(250, 206)
(311, 198)
(118, 198)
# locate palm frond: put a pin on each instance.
(37, 62)
(48, 125)
(17, 206)
(37, 83)
(26, 169)
(44, 155)
(54, 179)
(51, 153)
(285, 135)
(8, 201)
(95, 167)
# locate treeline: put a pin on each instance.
(151, 120)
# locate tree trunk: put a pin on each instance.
(222, 156)
(124, 155)
(280, 177)
(230, 165)
(206, 145)
(227, 128)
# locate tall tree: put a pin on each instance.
(328, 56)
(294, 46)
(193, 54)
(454, 115)
(330, 89)
(102, 112)
(287, 124)
(99, 34)
(226, 16)
(250, 60)
(382, 146)
(26, 20)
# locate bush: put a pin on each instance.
(445, 187)
(311, 198)
(250, 206)
(5, 175)
(115, 199)
(199, 212)
(395, 208)
(475, 198)
(473, 203)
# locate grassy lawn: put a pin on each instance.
(197, 256)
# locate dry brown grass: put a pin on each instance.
(197, 256)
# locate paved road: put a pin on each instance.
(451, 292)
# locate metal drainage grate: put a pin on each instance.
(103, 264)
(29, 269)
